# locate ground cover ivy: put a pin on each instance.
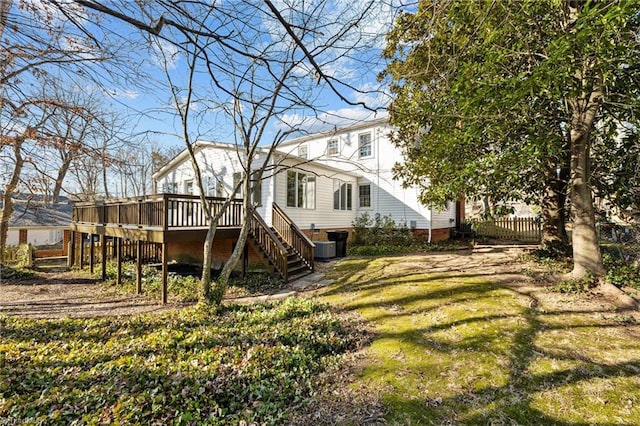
(199, 365)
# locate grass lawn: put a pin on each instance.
(464, 340)
(257, 363)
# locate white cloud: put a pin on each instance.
(126, 94)
(326, 120)
(53, 15)
(372, 95)
(164, 54)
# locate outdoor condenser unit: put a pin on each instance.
(325, 249)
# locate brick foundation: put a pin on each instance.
(440, 234)
(191, 252)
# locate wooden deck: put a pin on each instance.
(152, 218)
(166, 220)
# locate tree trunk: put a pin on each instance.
(238, 250)
(554, 233)
(586, 249)
(7, 196)
(5, 6)
(206, 261)
(229, 266)
(62, 172)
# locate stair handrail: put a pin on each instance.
(269, 244)
(272, 235)
(298, 240)
(294, 227)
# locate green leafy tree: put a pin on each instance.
(501, 99)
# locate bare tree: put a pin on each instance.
(251, 64)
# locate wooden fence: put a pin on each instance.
(527, 229)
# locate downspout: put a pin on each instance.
(430, 222)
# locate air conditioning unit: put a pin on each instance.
(325, 249)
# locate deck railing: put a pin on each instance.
(293, 235)
(164, 211)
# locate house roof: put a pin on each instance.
(199, 145)
(335, 131)
(36, 214)
(184, 155)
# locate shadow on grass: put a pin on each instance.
(467, 349)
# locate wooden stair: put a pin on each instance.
(279, 255)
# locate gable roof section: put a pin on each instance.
(200, 145)
(39, 215)
(336, 131)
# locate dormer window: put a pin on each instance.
(332, 147)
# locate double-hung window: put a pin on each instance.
(342, 195)
(364, 145)
(364, 195)
(256, 190)
(301, 190)
(332, 147)
(170, 187)
(237, 177)
(188, 187)
(303, 151)
(211, 186)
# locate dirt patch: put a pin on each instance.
(69, 294)
(57, 294)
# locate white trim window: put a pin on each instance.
(301, 190)
(364, 195)
(365, 148)
(256, 190)
(237, 177)
(188, 187)
(170, 187)
(303, 151)
(211, 186)
(342, 195)
(333, 147)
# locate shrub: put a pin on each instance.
(181, 288)
(11, 273)
(381, 230)
(576, 286)
(620, 272)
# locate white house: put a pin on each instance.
(322, 181)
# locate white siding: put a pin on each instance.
(217, 163)
(36, 237)
(388, 197)
(323, 215)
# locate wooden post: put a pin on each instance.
(119, 261)
(164, 273)
(91, 249)
(245, 260)
(81, 250)
(103, 256)
(71, 251)
(65, 242)
(138, 267)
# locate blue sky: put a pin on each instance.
(149, 108)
